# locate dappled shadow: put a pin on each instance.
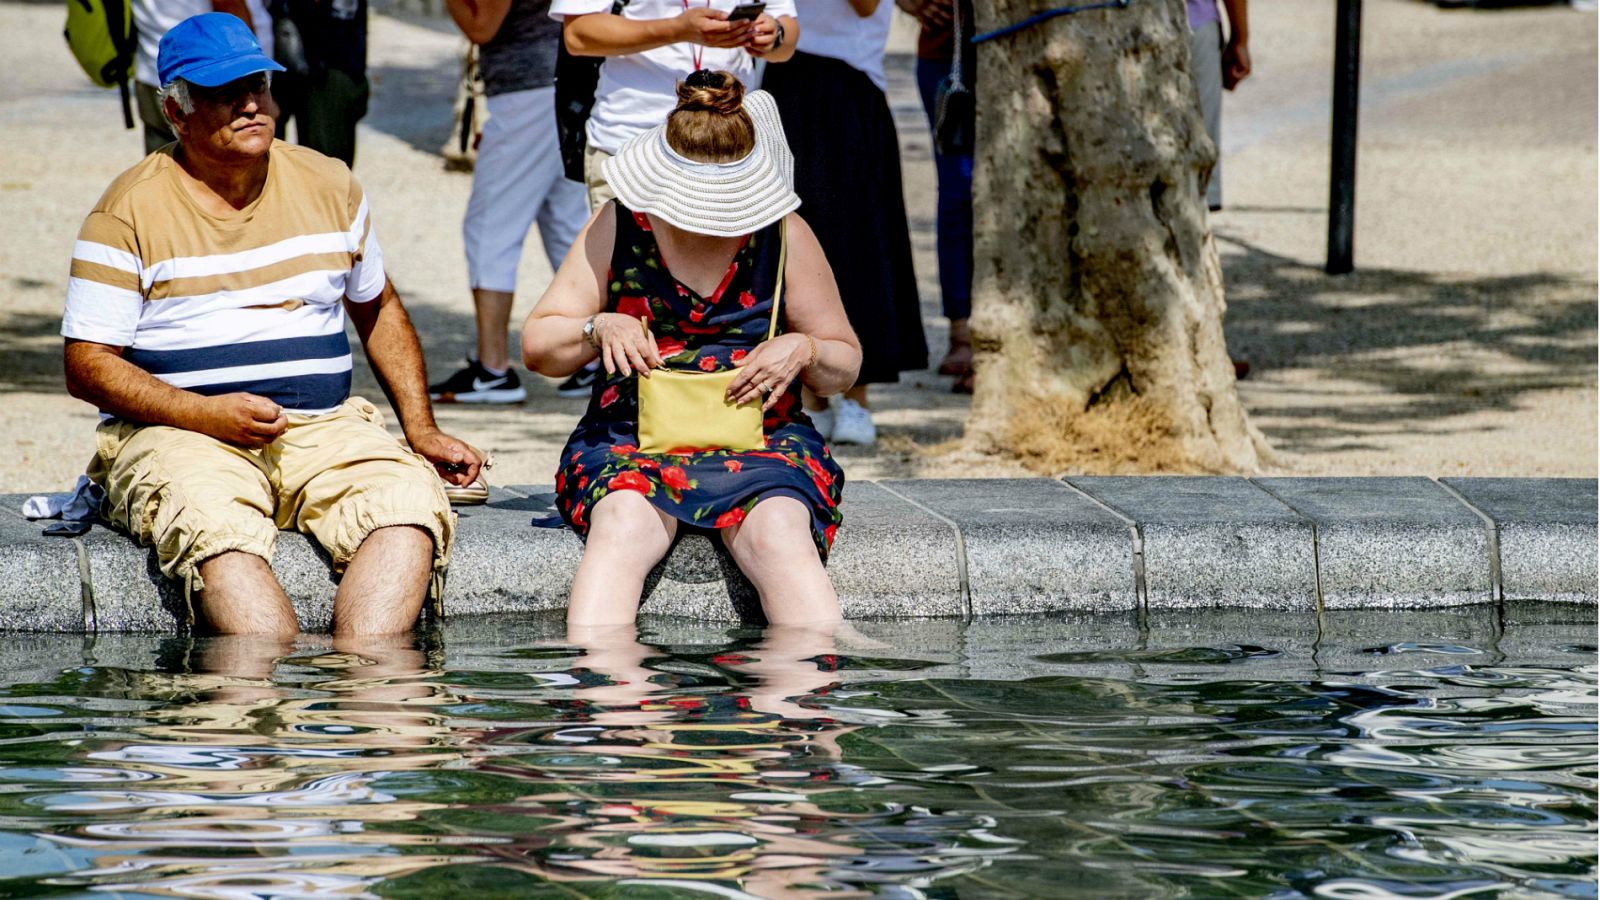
(30, 344)
(1395, 351)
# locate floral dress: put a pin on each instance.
(707, 489)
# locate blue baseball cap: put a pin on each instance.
(211, 49)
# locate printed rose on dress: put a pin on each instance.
(731, 517)
(707, 363)
(818, 472)
(732, 465)
(675, 477)
(669, 347)
(634, 307)
(609, 396)
(629, 481)
(747, 299)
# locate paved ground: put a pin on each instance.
(1465, 345)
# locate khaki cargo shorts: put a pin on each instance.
(600, 193)
(336, 477)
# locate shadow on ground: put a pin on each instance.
(1401, 351)
(30, 344)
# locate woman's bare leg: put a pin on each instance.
(627, 537)
(774, 549)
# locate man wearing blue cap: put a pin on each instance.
(205, 317)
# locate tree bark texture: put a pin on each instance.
(1098, 299)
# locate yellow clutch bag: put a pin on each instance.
(690, 410)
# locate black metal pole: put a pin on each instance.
(1346, 103)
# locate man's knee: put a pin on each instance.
(402, 544)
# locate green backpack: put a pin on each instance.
(100, 35)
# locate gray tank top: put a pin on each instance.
(522, 54)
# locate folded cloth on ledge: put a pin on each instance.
(80, 504)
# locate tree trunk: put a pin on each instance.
(1097, 314)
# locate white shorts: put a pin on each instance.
(517, 180)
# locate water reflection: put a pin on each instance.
(787, 762)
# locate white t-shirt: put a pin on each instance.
(638, 90)
(831, 28)
(154, 18)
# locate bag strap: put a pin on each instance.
(777, 291)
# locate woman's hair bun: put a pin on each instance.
(711, 91)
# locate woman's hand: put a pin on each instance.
(625, 346)
(769, 369)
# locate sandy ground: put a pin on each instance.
(1465, 344)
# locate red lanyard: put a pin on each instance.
(699, 51)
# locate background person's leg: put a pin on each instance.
(508, 188)
(774, 549)
(953, 231)
(565, 210)
(334, 104)
(1205, 59)
(627, 537)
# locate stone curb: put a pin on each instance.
(962, 548)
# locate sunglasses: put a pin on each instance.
(234, 92)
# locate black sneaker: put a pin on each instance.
(581, 383)
(475, 384)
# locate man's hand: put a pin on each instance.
(1235, 64)
(455, 461)
(711, 28)
(244, 420)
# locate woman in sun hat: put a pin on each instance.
(692, 247)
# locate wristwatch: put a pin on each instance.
(777, 41)
(588, 332)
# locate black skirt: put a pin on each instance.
(847, 173)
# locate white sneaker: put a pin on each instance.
(852, 424)
(822, 420)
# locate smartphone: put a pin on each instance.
(747, 11)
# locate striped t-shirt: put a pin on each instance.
(248, 302)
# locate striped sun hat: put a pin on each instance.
(721, 199)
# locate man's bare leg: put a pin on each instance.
(241, 596)
(385, 584)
